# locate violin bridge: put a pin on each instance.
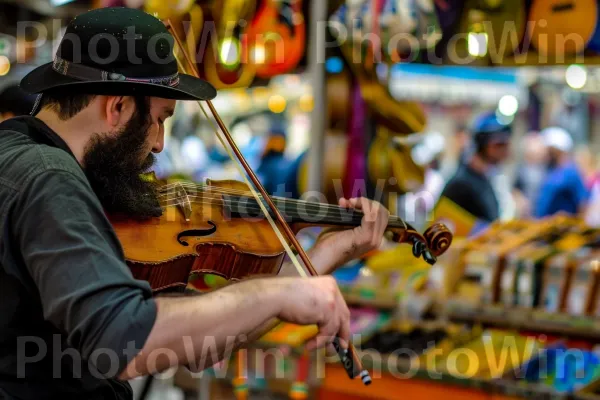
(183, 202)
(186, 208)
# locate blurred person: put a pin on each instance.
(15, 102)
(427, 154)
(418, 205)
(563, 188)
(274, 165)
(592, 213)
(462, 139)
(455, 150)
(530, 173)
(573, 116)
(594, 178)
(587, 163)
(472, 186)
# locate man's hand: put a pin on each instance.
(337, 248)
(224, 319)
(316, 300)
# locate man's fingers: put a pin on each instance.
(344, 331)
(311, 344)
(327, 331)
(374, 222)
(345, 203)
(321, 341)
(369, 209)
(336, 325)
(383, 216)
(351, 203)
(330, 350)
(365, 205)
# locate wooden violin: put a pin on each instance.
(218, 228)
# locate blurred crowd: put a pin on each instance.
(551, 175)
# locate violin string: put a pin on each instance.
(306, 206)
(250, 209)
(246, 194)
(254, 207)
(254, 210)
(220, 190)
(256, 213)
(282, 199)
(315, 206)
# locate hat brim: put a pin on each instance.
(45, 78)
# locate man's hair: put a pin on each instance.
(66, 105)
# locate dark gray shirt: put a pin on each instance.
(71, 313)
(474, 193)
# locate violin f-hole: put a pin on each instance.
(196, 232)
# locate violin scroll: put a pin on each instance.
(438, 238)
(432, 244)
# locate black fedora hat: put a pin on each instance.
(117, 51)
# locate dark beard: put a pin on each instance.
(113, 168)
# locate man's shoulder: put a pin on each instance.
(461, 180)
(21, 159)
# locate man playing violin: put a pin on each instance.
(74, 321)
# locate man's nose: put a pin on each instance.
(160, 143)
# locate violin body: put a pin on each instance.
(165, 251)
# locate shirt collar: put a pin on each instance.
(37, 130)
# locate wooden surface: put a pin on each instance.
(524, 319)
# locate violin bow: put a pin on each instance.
(348, 356)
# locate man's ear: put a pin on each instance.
(115, 110)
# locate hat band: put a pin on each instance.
(85, 73)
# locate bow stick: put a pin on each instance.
(348, 357)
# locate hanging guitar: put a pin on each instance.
(494, 30)
(399, 116)
(226, 62)
(561, 28)
(276, 38)
(390, 116)
(186, 16)
(387, 158)
(414, 22)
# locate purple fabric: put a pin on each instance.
(356, 153)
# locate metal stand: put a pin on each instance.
(316, 60)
